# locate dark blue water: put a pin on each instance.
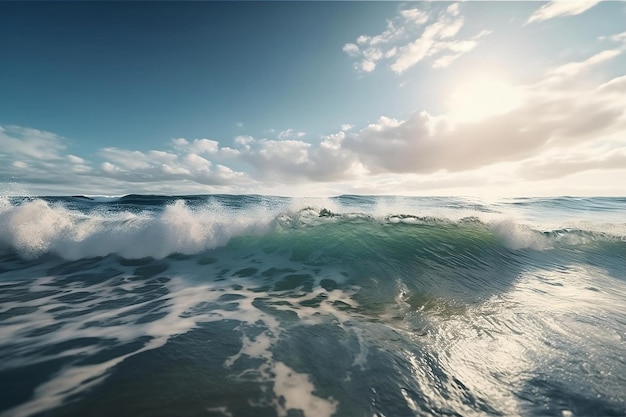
(230, 305)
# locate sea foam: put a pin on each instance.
(37, 227)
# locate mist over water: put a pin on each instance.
(346, 306)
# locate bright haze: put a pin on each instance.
(313, 98)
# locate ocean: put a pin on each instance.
(244, 305)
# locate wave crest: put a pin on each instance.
(36, 227)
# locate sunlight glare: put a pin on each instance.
(482, 97)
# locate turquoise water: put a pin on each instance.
(346, 306)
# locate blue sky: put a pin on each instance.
(313, 98)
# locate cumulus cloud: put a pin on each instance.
(159, 166)
(402, 45)
(415, 16)
(206, 146)
(366, 65)
(290, 161)
(290, 134)
(347, 126)
(351, 49)
(561, 8)
(37, 158)
(244, 141)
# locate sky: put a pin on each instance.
(486, 99)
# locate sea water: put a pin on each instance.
(226, 305)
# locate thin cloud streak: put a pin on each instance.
(561, 8)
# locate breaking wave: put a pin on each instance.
(153, 226)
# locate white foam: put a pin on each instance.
(71, 381)
(184, 306)
(515, 236)
(297, 391)
(37, 227)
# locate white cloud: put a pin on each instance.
(482, 33)
(561, 8)
(291, 160)
(32, 157)
(109, 167)
(411, 54)
(402, 46)
(391, 53)
(82, 169)
(229, 153)
(130, 160)
(445, 60)
(156, 165)
(243, 140)
(75, 159)
(351, 49)
(31, 143)
(430, 44)
(390, 34)
(575, 68)
(206, 146)
(372, 54)
(453, 9)
(180, 142)
(620, 37)
(153, 170)
(196, 162)
(416, 16)
(367, 66)
(457, 48)
(290, 151)
(290, 134)
(278, 159)
(333, 141)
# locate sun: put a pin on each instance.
(483, 96)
